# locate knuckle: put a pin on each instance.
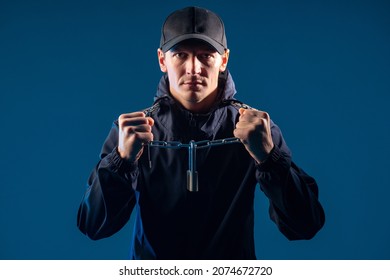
(128, 130)
(261, 122)
(120, 119)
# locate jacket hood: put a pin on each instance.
(227, 88)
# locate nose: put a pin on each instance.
(193, 65)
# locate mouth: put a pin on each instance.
(193, 83)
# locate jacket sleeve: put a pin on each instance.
(293, 194)
(109, 199)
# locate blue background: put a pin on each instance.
(69, 68)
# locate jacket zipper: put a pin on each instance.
(192, 124)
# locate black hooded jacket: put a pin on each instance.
(217, 222)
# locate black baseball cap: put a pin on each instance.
(193, 23)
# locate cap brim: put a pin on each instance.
(168, 45)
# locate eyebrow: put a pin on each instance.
(178, 48)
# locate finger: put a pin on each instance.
(130, 130)
(254, 117)
(252, 112)
(237, 133)
(141, 128)
(263, 115)
(132, 115)
(133, 121)
(241, 134)
(253, 123)
(247, 114)
(244, 124)
(144, 137)
(256, 113)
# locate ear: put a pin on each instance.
(161, 60)
(225, 59)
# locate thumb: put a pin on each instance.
(241, 111)
(150, 121)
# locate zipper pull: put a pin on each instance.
(149, 157)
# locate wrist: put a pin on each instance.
(128, 157)
(273, 157)
(264, 155)
(120, 163)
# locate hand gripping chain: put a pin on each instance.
(192, 174)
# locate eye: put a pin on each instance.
(205, 56)
(180, 55)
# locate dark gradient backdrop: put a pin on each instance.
(69, 68)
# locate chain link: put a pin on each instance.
(167, 145)
(198, 145)
(218, 142)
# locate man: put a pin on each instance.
(204, 210)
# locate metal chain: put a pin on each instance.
(198, 145)
(192, 174)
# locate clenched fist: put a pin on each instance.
(254, 130)
(135, 129)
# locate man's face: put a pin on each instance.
(193, 68)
